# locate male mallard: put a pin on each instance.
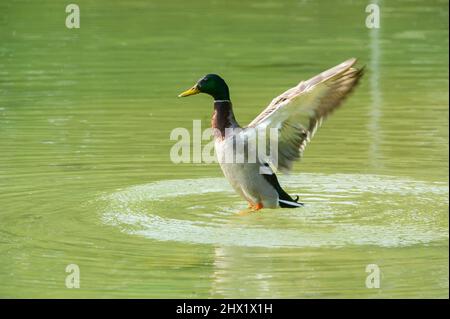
(296, 114)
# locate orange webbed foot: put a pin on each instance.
(251, 209)
(258, 206)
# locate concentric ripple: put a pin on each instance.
(341, 210)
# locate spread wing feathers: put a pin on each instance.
(299, 112)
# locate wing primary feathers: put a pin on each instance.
(300, 111)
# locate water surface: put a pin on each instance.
(86, 177)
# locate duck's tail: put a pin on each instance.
(284, 199)
(293, 203)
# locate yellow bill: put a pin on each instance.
(193, 90)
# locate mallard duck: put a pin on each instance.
(295, 115)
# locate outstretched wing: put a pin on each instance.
(298, 112)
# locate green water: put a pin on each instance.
(86, 177)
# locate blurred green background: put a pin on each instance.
(85, 112)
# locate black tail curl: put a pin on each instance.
(284, 199)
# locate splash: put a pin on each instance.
(341, 210)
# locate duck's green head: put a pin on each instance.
(211, 84)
